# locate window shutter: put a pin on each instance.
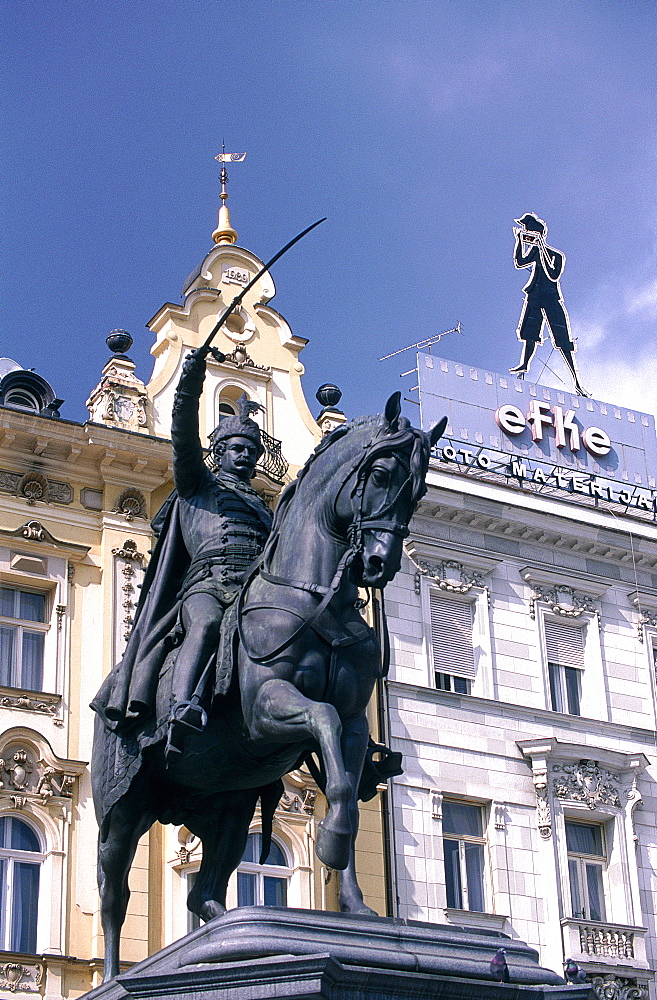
(564, 644)
(451, 636)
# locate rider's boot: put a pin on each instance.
(185, 716)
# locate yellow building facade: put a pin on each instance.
(76, 502)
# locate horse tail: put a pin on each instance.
(270, 796)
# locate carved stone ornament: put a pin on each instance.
(646, 618)
(129, 550)
(34, 774)
(449, 575)
(298, 803)
(19, 769)
(120, 398)
(543, 813)
(562, 600)
(241, 358)
(612, 987)
(131, 504)
(44, 706)
(34, 486)
(586, 782)
(21, 977)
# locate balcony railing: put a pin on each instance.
(613, 944)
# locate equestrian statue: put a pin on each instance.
(249, 656)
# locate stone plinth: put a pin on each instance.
(257, 953)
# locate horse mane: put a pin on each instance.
(383, 440)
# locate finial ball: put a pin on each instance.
(119, 341)
(328, 394)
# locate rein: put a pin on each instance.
(358, 525)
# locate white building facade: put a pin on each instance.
(522, 683)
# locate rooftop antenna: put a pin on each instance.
(429, 342)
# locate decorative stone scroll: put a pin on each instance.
(586, 782)
(128, 562)
(21, 977)
(44, 705)
(241, 358)
(562, 600)
(613, 987)
(449, 575)
(33, 486)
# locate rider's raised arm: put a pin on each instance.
(188, 465)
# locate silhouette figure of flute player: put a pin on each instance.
(543, 301)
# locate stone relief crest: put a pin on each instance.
(564, 601)
(449, 575)
(586, 782)
(17, 977)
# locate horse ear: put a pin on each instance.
(393, 411)
(437, 431)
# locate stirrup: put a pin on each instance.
(183, 714)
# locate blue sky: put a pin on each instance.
(420, 129)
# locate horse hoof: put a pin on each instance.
(333, 849)
(210, 909)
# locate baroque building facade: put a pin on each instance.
(76, 502)
(522, 685)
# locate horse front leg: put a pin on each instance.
(282, 714)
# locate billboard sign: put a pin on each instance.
(539, 437)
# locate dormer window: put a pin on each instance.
(22, 400)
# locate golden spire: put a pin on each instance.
(224, 233)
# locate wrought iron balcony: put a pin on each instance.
(271, 462)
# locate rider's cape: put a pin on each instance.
(128, 694)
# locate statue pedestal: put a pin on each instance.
(258, 953)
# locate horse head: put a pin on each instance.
(381, 491)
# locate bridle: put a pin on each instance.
(359, 524)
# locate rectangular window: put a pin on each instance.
(449, 682)
(23, 627)
(463, 849)
(452, 646)
(586, 863)
(564, 645)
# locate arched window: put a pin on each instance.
(20, 862)
(226, 409)
(23, 399)
(262, 885)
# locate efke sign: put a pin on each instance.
(512, 421)
(534, 434)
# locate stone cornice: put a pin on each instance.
(531, 716)
(536, 528)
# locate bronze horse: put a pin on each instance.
(306, 666)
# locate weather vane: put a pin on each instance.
(543, 300)
(225, 158)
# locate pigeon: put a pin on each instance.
(499, 970)
(573, 972)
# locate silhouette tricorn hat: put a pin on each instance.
(532, 223)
